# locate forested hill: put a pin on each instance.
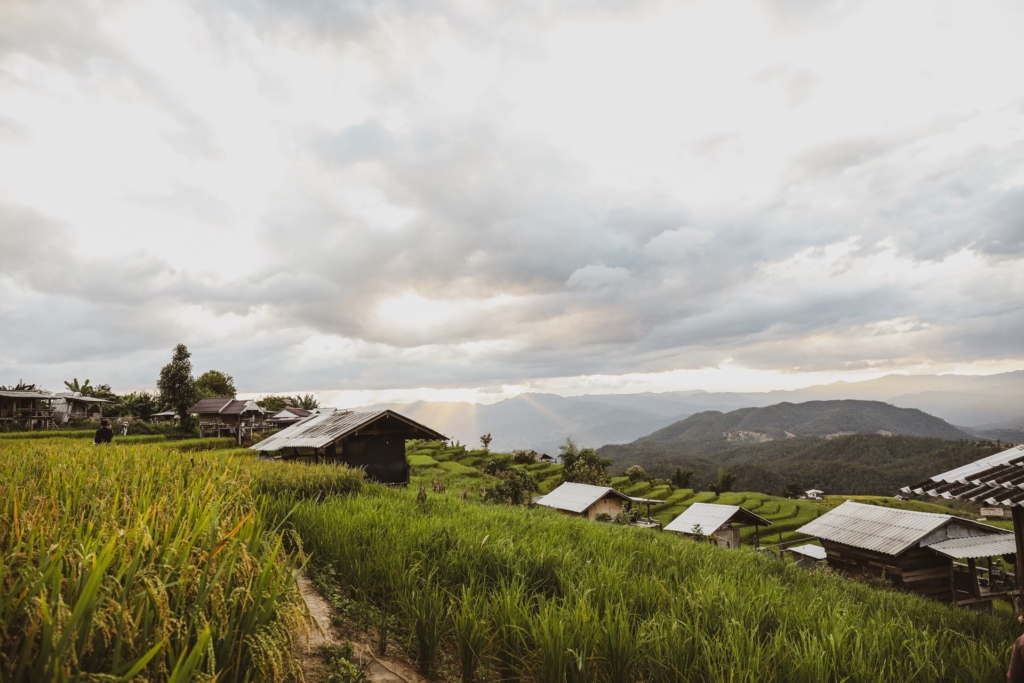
(859, 464)
(813, 418)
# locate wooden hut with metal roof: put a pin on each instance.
(584, 500)
(32, 409)
(919, 552)
(721, 523)
(227, 414)
(996, 480)
(373, 441)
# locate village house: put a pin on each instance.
(813, 494)
(919, 552)
(995, 480)
(584, 500)
(165, 417)
(73, 406)
(29, 409)
(721, 523)
(374, 441)
(226, 415)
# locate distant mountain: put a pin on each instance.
(813, 418)
(543, 421)
(858, 464)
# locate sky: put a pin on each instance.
(463, 200)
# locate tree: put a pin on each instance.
(583, 465)
(681, 478)
(214, 384)
(84, 389)
(514, 484)
(273, 404)
(307, 402)
(176, 384)
(636, 473)
(792, 490)
(140, 404)
(20, 386)
(725, 481)
(486, 441)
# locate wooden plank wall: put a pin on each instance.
(917, 570)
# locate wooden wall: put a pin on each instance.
(918, 570)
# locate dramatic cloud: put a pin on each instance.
(388, 195)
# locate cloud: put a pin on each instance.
(389, 195)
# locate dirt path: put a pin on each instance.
(378, 670)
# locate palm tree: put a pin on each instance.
(84, 389)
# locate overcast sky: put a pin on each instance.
(465, 199)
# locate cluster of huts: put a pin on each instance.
(39, 410)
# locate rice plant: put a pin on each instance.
(570, 601)
(139, 562)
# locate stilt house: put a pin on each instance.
(226, 414)
(32, 409)
(919, 552)
(719, 522)
(374, 441)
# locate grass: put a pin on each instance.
(134, 562)
(496, 593)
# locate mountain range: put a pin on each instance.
(990, 406)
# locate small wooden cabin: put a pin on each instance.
(584, 500)
(807, 556)
(74, 406)
(226, 414)
(374, 441)
(919, 552)
(722, 523)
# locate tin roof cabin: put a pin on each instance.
(226, 415)
(919, 552)
(584, 500)
(374, 441)
(31, 409)
(721, 523)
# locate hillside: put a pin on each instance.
(813, 418)
(862, 464)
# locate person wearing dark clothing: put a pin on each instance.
(1016, 672)
(104, 434)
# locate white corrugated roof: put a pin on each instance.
(319, 430)
(964, 473)
(711, 517)
(881, 529)
(977, 546)
(815, 551)
(573, 497)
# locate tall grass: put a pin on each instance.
(130, 562)
(568, 600)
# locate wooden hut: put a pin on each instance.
(916, 551)
(374, 441)
(722, 523)
(31, 409)
(227, 415)
(73, 406)
(996, 480)
(584, 500)
(807, 556)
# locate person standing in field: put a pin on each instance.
(124, 429)
(104, 434)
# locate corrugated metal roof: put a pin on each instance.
(994, 480)
(712, 517)
(574, 497)
(881, 529)
(207, 406)
(23, 394)
(320, 430)
(237, 407)
(815, 551)
(977, 546)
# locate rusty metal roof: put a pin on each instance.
(574, 497)
(977, 546)
(206, 406)
(711, 517)
(885, 530)
(318, 431)
(994, 480)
